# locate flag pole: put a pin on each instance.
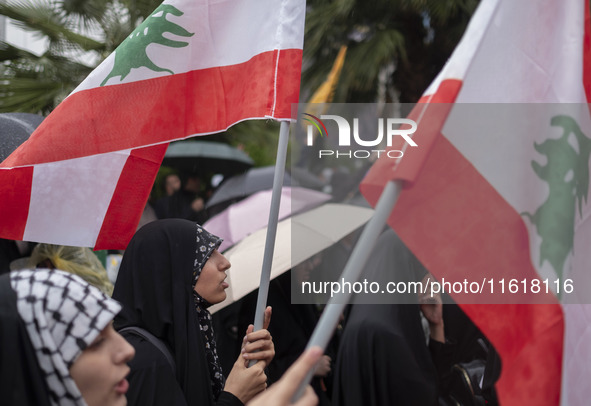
(272, 226)
(333, 310)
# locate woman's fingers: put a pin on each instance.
(281, 393)
(267, 318)
(258, 355)
(308, 399)
(249, 330)
(292, 378)
(258, 345)
(257, 335)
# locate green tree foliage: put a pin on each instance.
(76, 31)
(395, 47)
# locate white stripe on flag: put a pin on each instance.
(512, 62)
(250, 27)
(458, 63)
(69, 199)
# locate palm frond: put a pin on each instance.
(85, 11)
(140, 9)
(367, 58)
(9, 52)
(43, 20)
(415, 36)
(28, 95)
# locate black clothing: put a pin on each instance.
(383, 356)
(155, 285)
(228, 336)
(8, 253)
(291, 328)
(178, 205)
(158, 383)
(383, 359)
(21, 380)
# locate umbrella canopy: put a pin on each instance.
(240, 186)
(251, 214)
(298, 238)
(206, 157)
(15, 128)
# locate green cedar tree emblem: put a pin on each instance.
(567, 174)
(131, 54)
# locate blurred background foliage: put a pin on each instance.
(395, 49)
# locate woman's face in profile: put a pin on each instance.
(211, 284)
(100, 370)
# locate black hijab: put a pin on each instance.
(383, 357)
(155, 285)
(21, 379)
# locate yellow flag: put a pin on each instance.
(325, 92)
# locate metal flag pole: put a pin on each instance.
(333, 310)
(272, 227)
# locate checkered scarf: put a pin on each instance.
(63, 315)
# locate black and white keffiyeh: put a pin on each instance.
(62, 315)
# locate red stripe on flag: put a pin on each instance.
(288, 83)
(132, 115)
(430, 114)
(14, 204)
(130, 197)
(432, 111)
(447, 92)
(529, 339)
(458, 225)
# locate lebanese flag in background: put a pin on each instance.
(194, 67)
(472, 178)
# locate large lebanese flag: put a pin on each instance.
(501, 190)
(193, 67)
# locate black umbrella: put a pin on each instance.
(15, 128)
(203, 157)
(240, 186)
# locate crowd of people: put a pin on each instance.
(64, 341)
(69, 336)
